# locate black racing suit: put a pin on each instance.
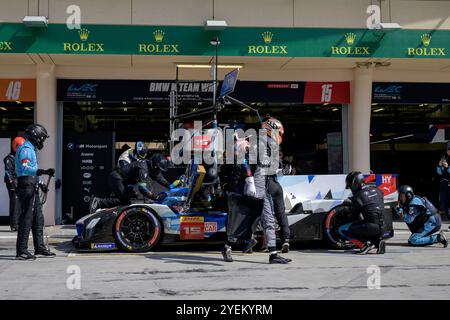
(444, 187)
(11, 185)
(276, 192)
(122, 181)
(369, 202)
(31, 217)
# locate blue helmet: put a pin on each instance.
(140, 150)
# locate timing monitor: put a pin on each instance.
(229, 82)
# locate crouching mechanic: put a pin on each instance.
(138, 173)
(367, 201)
(129, 156)
(421, 217)
(28, 184)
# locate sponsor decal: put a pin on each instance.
(83, 45)
(157, 46)
(192, 228)
(201, 142)
(426, 50)
(267, 48)
(87, 175)
(350, 48)
(103, 245)
(210, 227)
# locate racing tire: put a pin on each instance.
(137, 229)
(337, 217)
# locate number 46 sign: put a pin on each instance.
(18, 90)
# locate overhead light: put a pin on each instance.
(215, 24)
(19, 102)
(124, 102)
(378, 110)
(387, 26)
(3, 108)
(326, 103)
(374, 104)
(150, 109)
(125, 109)
(149, 103)
(35, 21)
(208, 66)
(335, 109)
(27, 108)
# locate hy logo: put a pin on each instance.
(350, 38)
(84, 34)
(159, 35)
(267, 37)
(426, 39)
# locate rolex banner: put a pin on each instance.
(235, 41)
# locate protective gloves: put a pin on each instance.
(249, 188)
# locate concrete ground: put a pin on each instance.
(200, 273)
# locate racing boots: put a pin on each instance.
(275, 258)
(249, 244)
(381, 247)
(25, 256)
(366, 248)
(226, 253)
(44, 253)
(442, 239)
(285, 247)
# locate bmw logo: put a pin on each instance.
(70, 146)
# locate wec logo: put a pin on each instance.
(390, 89)
(88, 87)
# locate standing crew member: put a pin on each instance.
(28, 184)
(368, 201)
(421, 217)
(11, 183)
(256, 187)
(443, 170)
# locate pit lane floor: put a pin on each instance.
(186, 272)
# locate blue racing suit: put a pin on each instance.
(26, 160)
(422, 222)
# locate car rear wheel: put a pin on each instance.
(137, 229)
(336, 218)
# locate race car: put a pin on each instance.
(315, 205)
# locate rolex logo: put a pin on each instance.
(426, 39)
(84, 34)
(350, 38)
(159, 35)
(267, 37)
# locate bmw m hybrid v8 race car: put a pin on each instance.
(315, 204)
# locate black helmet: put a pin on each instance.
(354, 181)
(37, 135)
(140, 150)
(158, 162)
(407, 191)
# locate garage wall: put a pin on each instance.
(420, 14)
